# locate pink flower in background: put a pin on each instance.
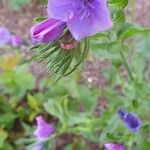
(7, 38)
(16, 41)
(114, 146)
(5, 35)
(43, 130)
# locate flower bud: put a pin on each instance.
(47, 31)
(131, 120)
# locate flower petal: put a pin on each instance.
(90, 19)
(114, 146)
(44, 130)
(132, 122)
(16, 41)
(47, 31)
(5, 35)
(61, 9)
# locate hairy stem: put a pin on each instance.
(126, 65)
(136, 56)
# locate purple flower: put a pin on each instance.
(83, 17)
(113, 146)
(16, 41)
(132, 121)
(47, 31)
(44, 130)
(5, 35)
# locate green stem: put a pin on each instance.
(130, 144)
(137, 65)
(132, 8)
(126, 65)
(136, 56)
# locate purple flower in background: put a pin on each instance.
(83, 17)
(5, 35)
(47, 31)
(114, 146)
(44, 130)
(132, 121)
(16, 41)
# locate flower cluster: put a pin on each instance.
(82, 18)
(132, 121)
(7, 38)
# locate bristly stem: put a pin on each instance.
(126, 65)
(132, 9)
(136, 56)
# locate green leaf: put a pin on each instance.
(134, 31)
(33, 103)
(15, 4)
(111, 136)
(135, 103)
(44, 2)
(3, 136)
(118, 17)
(119, 4)
(35, 47)
(40, 19)
(54, 108)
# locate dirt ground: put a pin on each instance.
(20, 22)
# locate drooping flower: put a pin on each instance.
(47, 31)
(16, 41)
(114, 146)
(44, 130)
(131, 120)
(83, 17)
(5, 35)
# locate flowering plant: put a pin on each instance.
(71, 30)
(74, 28)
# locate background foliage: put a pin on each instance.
(15, 4)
